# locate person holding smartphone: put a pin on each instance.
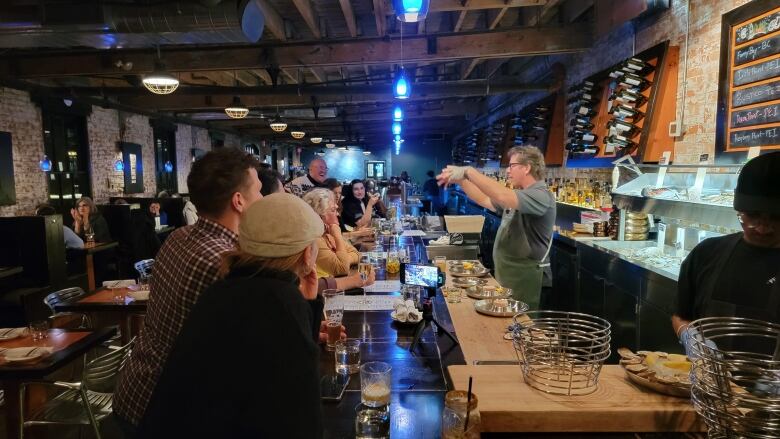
(524, 237)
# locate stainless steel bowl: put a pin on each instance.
(465, 282)
(489, 307)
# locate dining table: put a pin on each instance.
(10, 271)
(66, 346)
(91, 248)
(102, 308)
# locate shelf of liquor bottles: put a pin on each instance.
(626, 109)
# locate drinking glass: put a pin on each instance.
(441, 262)
(334, 313)
(372, 422)
(347, 356)
(90, 236)
(393, 262)
(118, 295)
(364, 268)
(38, 329)
(454, 295)
(375, 384)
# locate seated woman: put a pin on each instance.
(88, 221)
(336, 255)
(246, 362)
(356, 203)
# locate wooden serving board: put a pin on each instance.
(481, 337)
(507, 404)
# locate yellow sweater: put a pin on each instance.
(332, 263)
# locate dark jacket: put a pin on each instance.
(351, 211)
(100, 227)
(244, 365)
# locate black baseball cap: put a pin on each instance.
(758, 185)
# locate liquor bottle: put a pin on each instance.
(634, 81)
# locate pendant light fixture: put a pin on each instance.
(160, 81)
(398, 113)
(277, 124)
(320, 153)
(297, 134)
(330, 145)
(168, 166)
(396, 128)
(119, 165)
(315, 140)
(366, 152)
(237, 110)
(411, 11)
(402, 88)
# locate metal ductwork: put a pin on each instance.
(139, 24)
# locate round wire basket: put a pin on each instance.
(561, 352)
(736, 376)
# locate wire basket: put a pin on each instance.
(736, 376)
(561, 352)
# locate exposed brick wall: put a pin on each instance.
(106, 127)
(188, 137)
(22, 119)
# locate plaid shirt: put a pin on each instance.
(186, 265)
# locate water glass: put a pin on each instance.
(347, 356)
(375, 384)
(334, 313)
(90, 237)
(454, 295)
(441, 262)
(364, 268)
(372, 422)
(39, 330)
(118, 295)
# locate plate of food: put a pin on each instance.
(468, 269)
(25, 355)
(661, 372)
(488, 292)
(501, 307)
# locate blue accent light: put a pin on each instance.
(45, 164)
(411, 11)
(168, 166)
(398, 114)
(119, 166)
(402, 89)
(397, 147)
(397, 128)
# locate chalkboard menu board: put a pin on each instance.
(749, 89)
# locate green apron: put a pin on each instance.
(513, 267)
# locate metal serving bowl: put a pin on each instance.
(488, 292)
(465, 282)
(460, 271)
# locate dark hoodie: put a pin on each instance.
(245, 364)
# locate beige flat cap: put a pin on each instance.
(279, 225)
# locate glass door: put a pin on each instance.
(66, 145)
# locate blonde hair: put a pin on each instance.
(530, 156)
(238, 259)
(319, 199)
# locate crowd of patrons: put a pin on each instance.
(229, 346)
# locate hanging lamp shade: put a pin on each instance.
(320, 152)
(398, 113)
(168, 166)
(315, 140)
(236, 109)
(119, 166)
(411, 11)
(330, 145)
(397, 128)
(402, 88)
(365, 152)
(45, 164)
(160, 82)
(297, 134)
(397, 138)
(277, 124)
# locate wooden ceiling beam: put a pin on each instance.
(380, 17)
(292, 76)
(461, 16)
(457, 5)
(545, 14)
(263, 74)
(319, 74)
(490, 44)
(349, 16)
(273, 21)
(495, 16)
(307, 12)
(468, 67)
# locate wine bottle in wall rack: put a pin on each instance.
(581, 124)
(622, 127)
(624, 111)
(618, 141)
(639, 66)
(585, 111)
(629, 96)
(585, 136)
(633, 81)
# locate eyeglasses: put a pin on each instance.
(83, 205)
(511, 165)
(754, 219)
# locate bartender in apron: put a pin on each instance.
(738, 275)
(522, 245)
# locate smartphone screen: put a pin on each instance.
(423, 275)
(332, 387)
